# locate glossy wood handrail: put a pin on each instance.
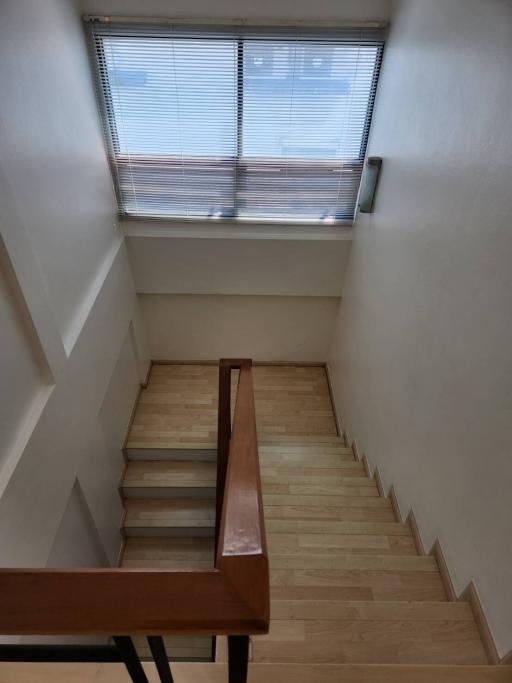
(230, 599)
(242, 551)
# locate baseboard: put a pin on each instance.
(394, 502)
(143, 385)
(121, 550)
(507, 659)
(357, 456)
(289, 363)
(437, 552)
(413, 525)
(145, 382)
(469, 594)
(378, 480)
(333, 404)
(366, 466)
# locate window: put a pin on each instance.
(246, 123)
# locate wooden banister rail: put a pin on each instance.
(230, 599)
(241, 553)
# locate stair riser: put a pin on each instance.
(169, 532)
(166, 492)
(172, 454)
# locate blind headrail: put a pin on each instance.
(223, 21)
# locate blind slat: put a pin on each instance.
(236, 122)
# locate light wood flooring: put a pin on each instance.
(179, 406)
(351, 599)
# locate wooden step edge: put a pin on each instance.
(327, 527)
(134, 443)
(358, 610)
(351, 562)
(342, 465)
(326, 448)
(318, 500)
(185, 672)
(164, 482)
(170, 454)
(168, 531)
(468, 594)
(167, 492)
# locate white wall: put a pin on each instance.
(350, 10)
(50, 123)
(273, 328)
(76, 543)
(422, 366)
(238, 266)
(69, 317)
(22, 368)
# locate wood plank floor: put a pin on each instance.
(179, 406)
(350, 596)
(260, 673)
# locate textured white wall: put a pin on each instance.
(422, 366)
(163, 265)
(273, 328)
(22, 368)
(76, 543)
(67, 300)
(50, 123)
(351, 10)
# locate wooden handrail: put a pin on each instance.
(230, 599)
(242, 551)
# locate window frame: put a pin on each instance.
(104, 88)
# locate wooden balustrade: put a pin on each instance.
(230, 599)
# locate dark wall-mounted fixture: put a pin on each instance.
(369, 182)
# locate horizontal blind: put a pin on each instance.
(236, 122)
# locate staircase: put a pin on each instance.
(351, 598)
(168, 487)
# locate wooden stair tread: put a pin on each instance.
(168, 553)
(335, 527)
(307, 445)
(350, 488)
(175, 474)
(163, 442)
(179, 405)
(344, 468)
(308, 451)
(323, 459)
(340, 544)
(317, 512)
(260, 673)
(353, 476)
(184, 512)
(355, 584)
(410, 563)
(300, 440)
(370, 641)
(375, 611)
(340, 501)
